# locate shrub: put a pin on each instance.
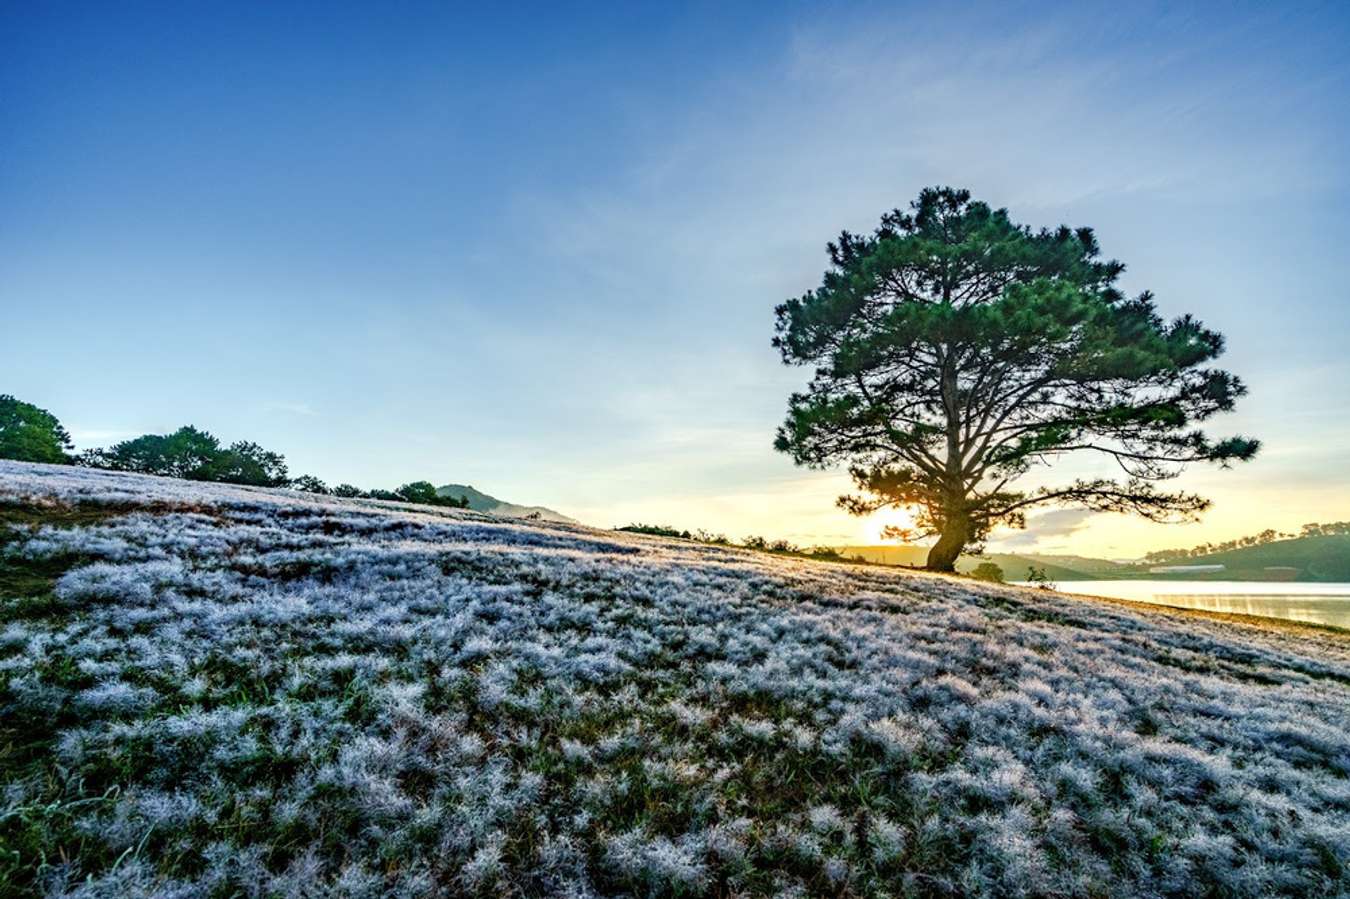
(988, 571)
(1038, 577)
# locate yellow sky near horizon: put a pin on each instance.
(728, 480)
(802, 510)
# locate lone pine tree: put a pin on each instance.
(954, 349)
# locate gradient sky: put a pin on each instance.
(538, 250)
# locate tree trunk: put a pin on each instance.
(956, 527)
(955, 535)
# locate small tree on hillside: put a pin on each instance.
(246, 462)
(308, 483)
(30, 434)
(418, 492)
(953, 350)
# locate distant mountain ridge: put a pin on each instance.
(482, 502)
(1315, 558)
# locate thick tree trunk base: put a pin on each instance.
(943, 555)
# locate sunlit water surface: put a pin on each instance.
(1318, 603)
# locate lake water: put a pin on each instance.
(1318, 603)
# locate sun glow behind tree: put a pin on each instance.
(955, 350)
(890, 525)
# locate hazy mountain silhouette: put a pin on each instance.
(482, 502)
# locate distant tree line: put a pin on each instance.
(762, 544)
(31, 434)
(984, 571)
(1269, 535)
(193, 455)
(422, 492)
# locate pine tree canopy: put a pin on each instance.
(953, 350)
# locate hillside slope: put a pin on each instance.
(1315, 558)
(482, 502)
(208, 690)
(1015, 567)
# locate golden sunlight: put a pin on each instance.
(874, 526)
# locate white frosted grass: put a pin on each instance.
(265, 692)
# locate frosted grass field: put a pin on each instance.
(212, 691)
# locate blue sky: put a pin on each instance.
(538, 250)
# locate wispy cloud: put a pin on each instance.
(1045, 527)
